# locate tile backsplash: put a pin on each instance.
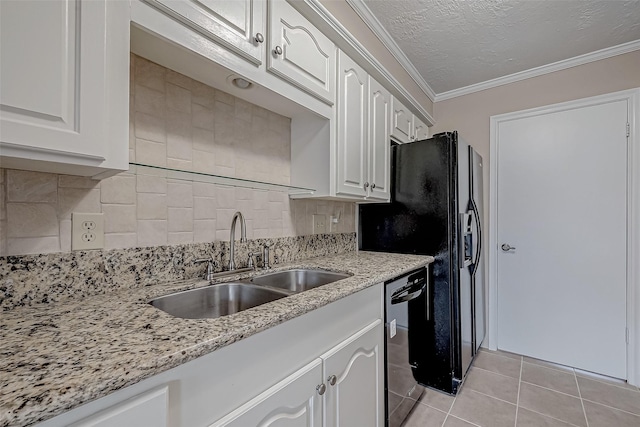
(180, 123)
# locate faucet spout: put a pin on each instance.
(232, 243)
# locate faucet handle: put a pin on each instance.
(250, 263)
(211, 266)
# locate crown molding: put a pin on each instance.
(374, 25)
(320, 12)
(542, 70)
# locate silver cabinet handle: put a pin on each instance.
(321, 389)
(259, 38)
(506, 247)
(366, 185)
(332, 380)
(373, 185)
(277, 50)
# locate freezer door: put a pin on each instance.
(478, 250)
(465, 241)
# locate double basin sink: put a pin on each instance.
(229, 298)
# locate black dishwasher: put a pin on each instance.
(406, 317)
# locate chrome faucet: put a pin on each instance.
(232, 243)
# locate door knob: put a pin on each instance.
(277, 50)
(321, 389)
(259, 38)
(506, 247)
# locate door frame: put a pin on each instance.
(632, 96)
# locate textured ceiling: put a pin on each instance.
(456, 43)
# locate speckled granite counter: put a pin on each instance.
(54, 358)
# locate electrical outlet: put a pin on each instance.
(319, 224)
(87, 231)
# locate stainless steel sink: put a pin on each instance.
(216, 300)
(298, 280)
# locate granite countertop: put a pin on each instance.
(56, 357)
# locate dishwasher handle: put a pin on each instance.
(408, 292)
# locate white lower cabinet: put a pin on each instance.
(145, 410)
(273, 378)
(353, 372)
(294, 402)
(347, 381)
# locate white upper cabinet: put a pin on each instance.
(401, 122)
(299, 53)
(363, 108)
(379, 144)
(238, 25)
(352, 118)
(420, 130)
(405, 126)
(64, 80)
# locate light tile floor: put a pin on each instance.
(504, 389)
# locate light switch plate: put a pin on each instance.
(320, 224)
(87, 231)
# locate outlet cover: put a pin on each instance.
(320, 224)
(87, 231)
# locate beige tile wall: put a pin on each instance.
(180, 123)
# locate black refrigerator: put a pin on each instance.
(436, 209)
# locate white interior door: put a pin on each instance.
(562, 205)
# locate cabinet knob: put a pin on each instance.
(366, 185)
(259, 38)
(321, 389)
(373, 185)
(332, 380)
(277, 50)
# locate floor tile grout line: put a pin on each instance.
(584, 377)
(493, 397)
(584, 411)
(450, 408)
(550, 416)
(551, 389)
(515, 422)
(493, 372)
(466, 421)
(612, 407)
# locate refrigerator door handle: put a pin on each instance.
(476, 215)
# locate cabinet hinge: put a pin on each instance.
(628, 130)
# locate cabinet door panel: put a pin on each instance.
(420, 130)
(379, 144)
(233, 24)
(401, 122)
(149, 409)
(352, 128)
(293, 402)
(307, 58)
(52, 85)
(357, 397)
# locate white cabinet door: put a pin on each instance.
(357, 396)
(238, 25)
(146, 410)
(379, 145)
(63, 95)
(293, 402)
(299, 53)
(420, 130)
(351, 161)
(401, 122)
